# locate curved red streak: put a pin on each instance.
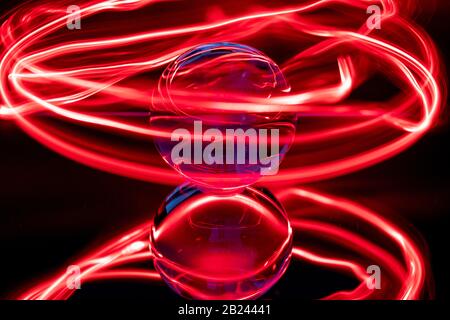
(112, 261)
(419, 76)
(414, 262)
(113, 85)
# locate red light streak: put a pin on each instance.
(97, 78)
(23, 71)
(404, 276)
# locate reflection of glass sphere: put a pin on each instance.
(214, 83)
(212, 247)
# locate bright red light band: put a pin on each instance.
(403, 277)
(77, 94)
(87, 91)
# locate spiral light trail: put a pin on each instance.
(86, 95)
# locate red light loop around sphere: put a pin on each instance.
(88, 93)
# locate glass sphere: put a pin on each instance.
(216, 126)
(207, 246)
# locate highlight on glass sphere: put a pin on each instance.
(216, 126)
(206, 246)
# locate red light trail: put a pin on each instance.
(405, 275)
(82, 94)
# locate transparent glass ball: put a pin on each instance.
(207, 246)
(219, 87)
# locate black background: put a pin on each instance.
(53, 209)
